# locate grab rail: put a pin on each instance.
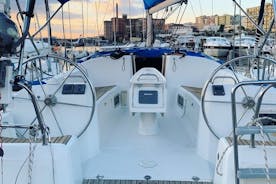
(224, 77)
(236, 130)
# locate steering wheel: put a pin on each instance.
(245, 68)
(43, 68)
(67, 100)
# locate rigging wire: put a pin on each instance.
(97, 18)
(105, 12)
(87, 19)
(234, 30)
(105, 9)
(178, 14)
(169, 13)
(130, 26)
(200, 7)
(70, 26)
(63, 31)
(183, 13)
(192, 8)
(82, 16)
(38, 25)
(181, 17)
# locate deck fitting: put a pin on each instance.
(195, 178)
(147, 177)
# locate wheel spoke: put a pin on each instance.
(64, 81)
(76, 105)
(236, 77)
(32, 122)
(55, 117)
(242, 116)
(40, 83)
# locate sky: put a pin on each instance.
(87, 16)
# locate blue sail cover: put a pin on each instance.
(63, 1)
(150, 3)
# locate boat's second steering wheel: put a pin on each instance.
(228, 74)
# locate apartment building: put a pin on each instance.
(254, 13)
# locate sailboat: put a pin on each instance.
(217, 46)
(145, 115)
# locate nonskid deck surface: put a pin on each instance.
(103, 181)
(55, 140)
(170, 155)
(248, 142)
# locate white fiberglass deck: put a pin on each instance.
(170, 155)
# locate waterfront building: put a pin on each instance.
(204, 20)
(254, 12)
(181, 29)
(121, 27)
(108, 34)
(225, 20)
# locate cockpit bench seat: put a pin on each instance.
(100, 91)
(195, 91)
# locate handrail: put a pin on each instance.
(224, 77)
(234, 117)
(43, 128)
(148, 74)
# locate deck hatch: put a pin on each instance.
(268, 121)
(218, 90)
(73, 89)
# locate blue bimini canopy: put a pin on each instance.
(150, 3)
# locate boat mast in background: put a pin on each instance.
(115, 24)
(49, 24)
(130, 27)
(153, 6)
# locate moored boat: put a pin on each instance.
(217, 46)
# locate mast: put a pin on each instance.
(153, 9)
(38, 25)
(130, 27)
(149, 29)
(115, 26)
(49, 24)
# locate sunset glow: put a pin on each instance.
(87, 16)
